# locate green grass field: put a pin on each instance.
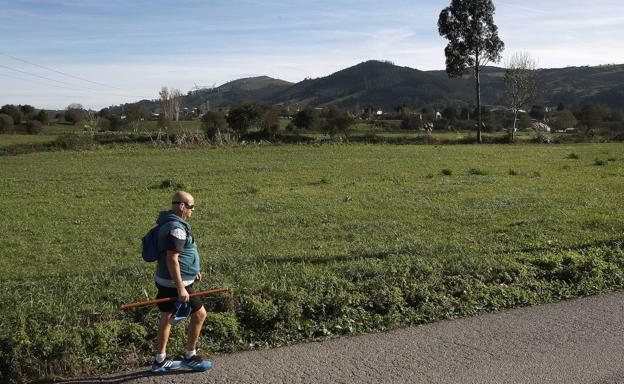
(9, 139)
(81, 127)
(314, 241)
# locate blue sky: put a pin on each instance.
(122, 51)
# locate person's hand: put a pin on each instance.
(183, 295)
(198, 277)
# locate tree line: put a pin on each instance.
(264, 119)
(33, 119)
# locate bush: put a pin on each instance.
(214, 124)
(446, 172)
(464, 125)
(244, 116)
(34, 127)
(188, 138)
(6, 123)
(110, 123)
(337, 121)
(600, 162)
(270, 123)
(441, 124)
(74, 115)
(476, 171)
(222, 331)
(543, 137)
(410, 123)
(13, 111)
(257, 311)
(164, 122)
(171, 184)
(43, 116)
(308, 119)
(564, 119)
(73, 141)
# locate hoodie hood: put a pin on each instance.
(166, 216)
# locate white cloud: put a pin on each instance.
(386, 40)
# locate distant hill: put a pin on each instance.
(572, 86)
(579, 85)
(386, 86)
(375, 83)
(259, 89)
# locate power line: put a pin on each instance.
(62, 73)
(33, 74)
(39, 82)
(76, 87)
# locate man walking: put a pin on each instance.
(177, 270)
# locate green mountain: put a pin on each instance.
(259, 89)
(584, 85)
(386, 86)
(374, 83)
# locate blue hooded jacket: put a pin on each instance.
(189, 257)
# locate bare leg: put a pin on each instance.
(163, 333)
(197, 320)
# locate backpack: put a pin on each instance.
(150, 251)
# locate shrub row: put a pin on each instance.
(86, 141)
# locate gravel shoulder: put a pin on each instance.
(576, 341)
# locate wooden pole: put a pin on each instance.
(170, 299)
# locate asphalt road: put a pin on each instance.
(578, 341)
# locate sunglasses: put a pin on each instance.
(189, 206)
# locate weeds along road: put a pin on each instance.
(578, 341)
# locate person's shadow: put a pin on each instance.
(121, 378)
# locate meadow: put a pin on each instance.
(8, 140)
(314, 241)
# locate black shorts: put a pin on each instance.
(163, 292)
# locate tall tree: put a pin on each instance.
(176, 103)
(473, 41)
(166, 103)
(520, 85)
